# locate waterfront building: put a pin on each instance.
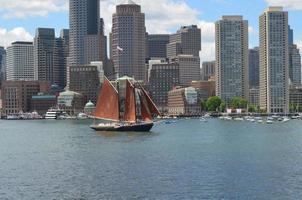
(294, 65)
(128, 41)
(17, 95)
(42, 102)
(20, 62)
(186, 41)
(157, 45)
(207, 70)
(189, 68)
(254, 65)
(86, 80)
(274, 60)
(89, 108)
(163, 78)
(71, 102)
(232, 76)
(183, 102)
(205, 88)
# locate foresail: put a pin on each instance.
(130, 108)
(108, 103)
(151, 105)
(146, 114)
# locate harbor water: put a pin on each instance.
(186, 159)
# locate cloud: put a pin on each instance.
(208, 40)
(289, 4)
(31, 8)
(16, 34)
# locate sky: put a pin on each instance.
(20, 18)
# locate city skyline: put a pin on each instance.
(20, 19)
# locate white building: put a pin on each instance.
(20, 62)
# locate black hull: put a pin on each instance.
(124, 128)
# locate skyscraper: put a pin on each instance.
(274, 61)
(129, 40)
(20, 62)
(50, 54)
(2, 64)
(294, 65)
(157, 45)
(232, 78)
(207, 70)
(186, 41)
(254, 67)
(84, 23)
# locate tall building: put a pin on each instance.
(157, 45)
(20, 62)
(232, 76)
(129, 41)
(274, 60)
(186, 41)
(50, 56)
(163, 77)
(294, 65)
(207, 70)
(84, 23)
(189, 68)
(2, 64)
(254, 67)
(61, 54)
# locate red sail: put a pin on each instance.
(130, 110)
(151, 105)
(108, 103)
(146, 115)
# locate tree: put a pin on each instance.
(238, 102)
(222, 107)
(213, 103)
(203, 105)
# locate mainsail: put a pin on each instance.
(130, 108)
(108, 103)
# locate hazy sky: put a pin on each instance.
(20, 18)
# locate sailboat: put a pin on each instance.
(134, 113)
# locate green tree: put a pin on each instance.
(222, 107)
(203, 106)
(238, 102)
(213, 103)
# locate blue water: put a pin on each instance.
(186, 160)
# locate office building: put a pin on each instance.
(294, 65)
(2, 64)
(207, 70)
(84, 24)
(129, 41)
(274, 60)
(157, 45)
(20, 62)
(232, 76)
(189, 68)
(163, 78)
(17, 95)
(186, 41)
(254, 68)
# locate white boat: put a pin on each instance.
(260, 121)
(285, 119)
(269, 121)
(54, 114)
(238, 119)
(82, 116)
(203, 120)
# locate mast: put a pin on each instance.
(107, 107)
(130, 103)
